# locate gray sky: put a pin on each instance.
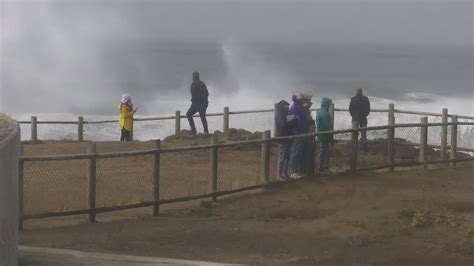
(398, 22)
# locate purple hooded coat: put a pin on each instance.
(297, 109)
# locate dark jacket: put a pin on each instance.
(298, 110)
(283, 125)
(199, 93)
(359, 108)
(324, 120)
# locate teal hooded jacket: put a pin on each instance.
(324, 121)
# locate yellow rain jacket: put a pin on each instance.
(126, 117)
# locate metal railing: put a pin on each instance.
(159, 178)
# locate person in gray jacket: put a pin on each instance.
(360, 109)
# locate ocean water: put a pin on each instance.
(239, 75)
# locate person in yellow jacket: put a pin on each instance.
(126, 117)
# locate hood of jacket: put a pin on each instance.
(326, 103)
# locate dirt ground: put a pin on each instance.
(417, 217)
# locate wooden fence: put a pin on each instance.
(226, 114)
(265, 179)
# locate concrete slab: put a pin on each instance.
(29, 256)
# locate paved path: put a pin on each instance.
(29, 256)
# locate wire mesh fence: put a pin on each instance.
(252, 121)
(231, 174)
(465, 135)
(57, 132)
(124, 180)
(375, 153)
(102, 132)
(407, 141)
(184, 174)
(25, 130)
(63, 185)
(54, 186)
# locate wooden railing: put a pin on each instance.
(265, 180)
(225, 122)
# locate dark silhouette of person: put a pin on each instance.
(199, 103)
(360, 109)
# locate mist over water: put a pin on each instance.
(78, 58)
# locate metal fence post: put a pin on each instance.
(34, 129)
(213, 166)
(265, 178)
(423, 140)
(354, 149)
(177, 122)
(80, 128)
(454, 139)
(331, 112)
(91, 149)
(226, 120)
(21, 191)
(391, 143)
(156, 178)
(444, 134)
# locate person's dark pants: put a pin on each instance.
(324, 154)
(126, 136)
(201, 109)
(363, 133)
(284, 150)
(297, 156)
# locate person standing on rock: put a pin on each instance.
(199, 103)
(126, 117)
(324, 123)
(360, 109)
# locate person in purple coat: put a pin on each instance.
(302, 127)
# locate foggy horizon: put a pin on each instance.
(80, 56)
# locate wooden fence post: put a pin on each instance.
(454, 139)
(213, 166)
(34, 129)
(311, 158)
(265, 168)
(80, 128)
(444, 134)
(91, 149)
(156, 179)
(391, 138)
(177, 122)
(354, 149)
(21, 191)
(391, 112)
(226, 120)
(274, 120)
(331, 112)
(423, 140)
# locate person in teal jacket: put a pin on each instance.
(324, 123)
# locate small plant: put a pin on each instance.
(470, 233)
(419, 219)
